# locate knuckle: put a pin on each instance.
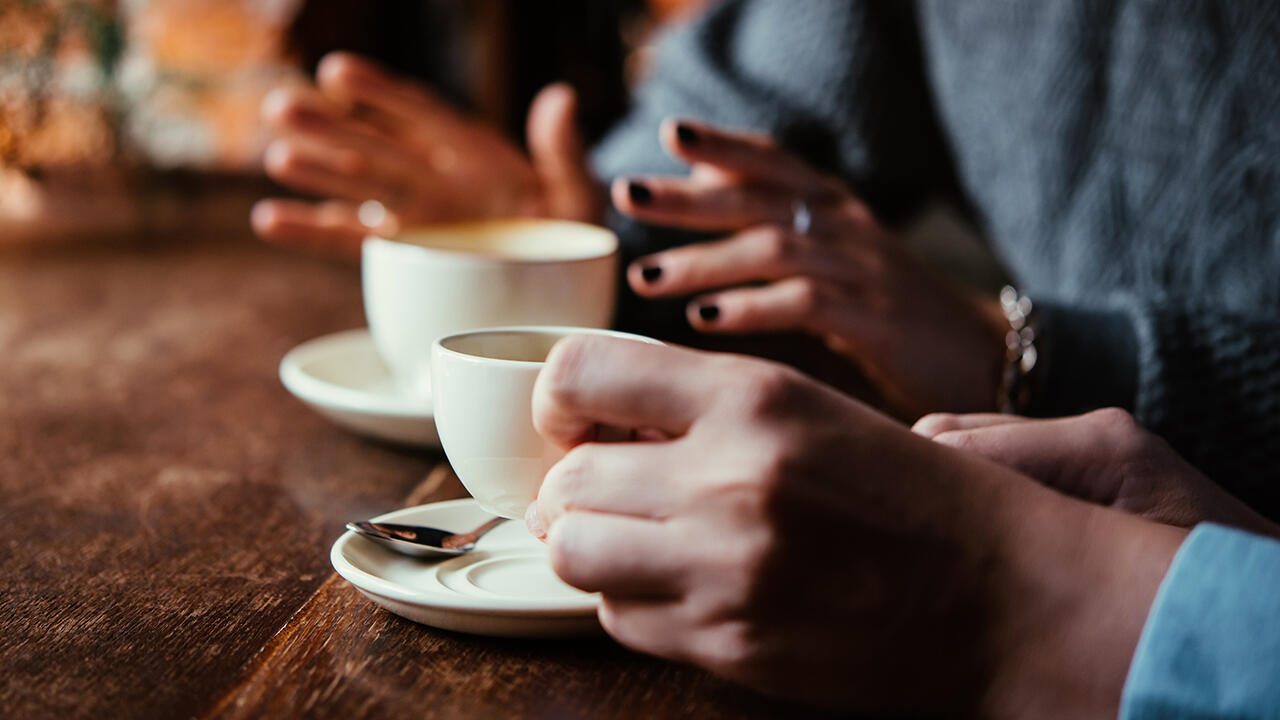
(566, 553)
(855, 213)
(1122, 431)
(281, 158)
(289, 111)
(811, 296)
(338, 69)
(615, 623)
(645, 630)
(777, 246)
(567, 478)
(1113, 418)
(726, 648)
(775, 464)
(280, 108)
(559, 554)
(771, 390)
(1117, 423)
(743, 492)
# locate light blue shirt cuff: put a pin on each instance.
(1211, 645)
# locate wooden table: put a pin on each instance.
(166, 511)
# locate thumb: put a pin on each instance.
(1073, 455)
(559, 155)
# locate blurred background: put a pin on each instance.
(141, 116)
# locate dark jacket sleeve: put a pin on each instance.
(1204, 378)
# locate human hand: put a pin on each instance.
(926, 344)
(1104, 457)
(366, 134)
(787, 537)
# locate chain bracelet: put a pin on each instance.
(1020, 351)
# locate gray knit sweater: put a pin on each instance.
(1123, 157)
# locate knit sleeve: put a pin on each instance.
(1206, 379)
(841, 84)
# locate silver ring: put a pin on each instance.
(801, 217)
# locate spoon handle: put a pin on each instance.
(469, 538)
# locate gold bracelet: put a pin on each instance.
(1020, 351)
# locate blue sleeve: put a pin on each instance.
(1211, 645)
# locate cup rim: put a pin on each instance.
(438, 346)
(480, 258)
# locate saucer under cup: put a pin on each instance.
(505, 587)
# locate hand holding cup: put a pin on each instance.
(788, 537)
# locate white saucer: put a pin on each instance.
(505, 587)
(341, 377)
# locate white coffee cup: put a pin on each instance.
(483, 395)
(425, 283)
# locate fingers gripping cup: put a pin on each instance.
(482, 384)
(433, 281)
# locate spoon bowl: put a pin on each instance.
(420, 541)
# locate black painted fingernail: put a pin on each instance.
(640, 195)
(708, 312)
(687, 135)
(651, 273)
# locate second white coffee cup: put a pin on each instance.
(482, 383)
(432, 281)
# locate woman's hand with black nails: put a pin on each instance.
(803, 253)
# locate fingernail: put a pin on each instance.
(687, 135)
(651, 273)
(640, 195)
(708, 312)
(533, 522)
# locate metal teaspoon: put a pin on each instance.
(420, 541)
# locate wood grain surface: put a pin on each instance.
(167, 510)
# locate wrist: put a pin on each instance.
(1081, 582)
